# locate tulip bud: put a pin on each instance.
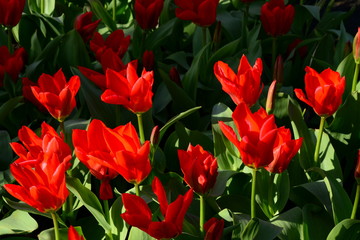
(217, 35)
(148, 60)
(270, 101)
(154, 137)
(174, 76)
(357, 169)
(356, 47)
(279, 69)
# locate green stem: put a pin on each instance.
(301, 2)
(141, 128)
(355, 79)
(114, 10)
(56, 225)
(318, 142)
(62, 129)
(137, 189)
(253, 187)
(271, 192)
(107, 217)
(10, 46)
(204, 40)
(42, 6)
(356, 202)
(273, 59)
(202, 214)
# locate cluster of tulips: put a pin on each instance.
(46, 164)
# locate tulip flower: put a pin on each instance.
(258, 133)
(123, 152)
(147, 12)
(42, 185)
(323, 91)
(33, 146)
(116, 41)
(85, 26)
(90, 144)
(214, 228)
(10, 12)
(28, 95)
(276, 18)
(11, 64)
(139, 215)
(199, 168)
(73, 234)
(98, 78)
(284, 150)
(57, 95)
(356, 47)
(200, 12)
(246, 85)
(128, 89)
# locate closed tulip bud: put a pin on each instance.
(11, 10)
(147, 12)
(154, 137)
(214, 228)
(357, 169)
(11, 64)
(270, 100)
(148, 60)
(279, 70)
(175, 76)
(356, 47)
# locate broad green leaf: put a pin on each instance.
(49, 234)
(257, 229)
(301, 130)
(313, 10)
(291, 224)
(316, 222)
(7, 107)
(117, 223)
(220, 184)
(18, 222)
(348, 229)
(6, 153)
(136, 234)
(346, 68)
(156, 38)
(101, 13)
(89, 199)
(225, 151)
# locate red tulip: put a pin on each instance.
(147, 12)
(277, 18)
(85, 26)
(116, 41)
(357, 169)
(42, 185)
(258, 133)
(128, 89)
(246, 85)
(90, 144)
(201, 12)
(127, 156)
(10, 11)
(199, 168)
(214, 228)
(33, 146)
(148, 60)
(73, 234)
(57, 95)
(323, 91)
(356, 47)
(139, 215)
(98, 78)
(28, 94)
(285, 149)
(11, 64)
(110, 60)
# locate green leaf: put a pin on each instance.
(220, 184)
(257, 229)
(316, 222)
(136, 234)
(226, 153)
(18, 222)
(101, 13)
(6, 153)
(156, 38)
(117, 223)
(348, 229)
(290, 222)
(7, 107)
(89, 199)
(49, 234)
(346, 68)
(313, 10)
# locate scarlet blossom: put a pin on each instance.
(90, 144)
(28, 95)
(276, 18)
(148, 60)
(85, 26)
(357, 168)
(246, 85)
(42, 184)
(200, 12)
(214, 228)
(284, 150)
(98, 78)
(128, 89)
(147, 12)
(10, 11)
(116, 41)
(323, 91)
(11, 64)
(199, 168)
(356, 47)
(258, 133)
(33, 146)
(109, 59)
(73, 234)
(127, 156)
(57, 95)
(139, 215)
